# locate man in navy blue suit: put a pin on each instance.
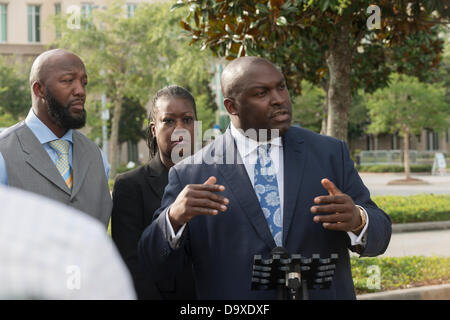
(260, 185)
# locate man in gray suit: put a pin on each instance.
(44, 154)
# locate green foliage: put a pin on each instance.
(314, 39)
(308, 108)
(358, 116)
(131, 122)
(415, 208)
(138, 55)
(7, 120)
(443, 73)
(400, 272)
(393, 168)
(205, 112)
(134, 58)
(420, 51)
(408, 104)
(15, 98)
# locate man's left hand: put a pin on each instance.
(345, 215)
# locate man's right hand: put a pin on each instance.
(197, 199)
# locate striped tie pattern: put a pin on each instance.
(266, 188)
(62, 164)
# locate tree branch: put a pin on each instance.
(358, 38)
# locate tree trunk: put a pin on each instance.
(114, 155)
(406, 153)
(339, 92)
(323, 129)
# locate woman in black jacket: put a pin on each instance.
(137, 194)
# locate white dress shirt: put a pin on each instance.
(247, 149)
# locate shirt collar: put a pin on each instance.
(41, 131)
(246, 145)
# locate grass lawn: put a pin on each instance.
(398, 272)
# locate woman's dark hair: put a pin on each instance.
(172, 91)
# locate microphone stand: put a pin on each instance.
(292, 275)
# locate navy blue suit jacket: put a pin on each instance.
(222, 247)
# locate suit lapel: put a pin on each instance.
(294, 165)
(156, 175)
(38, 158)
(240, 186)
(80, 165)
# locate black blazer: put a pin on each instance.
(136, 196)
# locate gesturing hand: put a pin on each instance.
(345, 215)
(197, 199)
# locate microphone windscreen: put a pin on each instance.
(280, 251)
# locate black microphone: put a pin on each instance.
(292, 277)
(282, 252)
(281, 288)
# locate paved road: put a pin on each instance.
(377, 184)
(424, 243)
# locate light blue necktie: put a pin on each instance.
(62, 163)
(266, 188)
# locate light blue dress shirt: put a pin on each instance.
(45, 135)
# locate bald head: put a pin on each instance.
(49, 61)
(58, 82)
(235, 73)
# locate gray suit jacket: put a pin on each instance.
(30, 168)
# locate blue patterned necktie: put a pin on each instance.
(266, 188)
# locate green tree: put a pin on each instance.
(308, 108)
(443, 73)
(134, 57)
(15, 97)
(324, 41)
(408, 106)
(132, 122)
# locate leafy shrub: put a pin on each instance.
(415, 208)
(393, 168)
(400, 272)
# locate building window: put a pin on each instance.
(3, 23)
(132, 152)
(57, 12)
(34, 23)
(86, 13)
(432, 140)
(57, 8)
(131, 8)
(86, 9)
(394, 141)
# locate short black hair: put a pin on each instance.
(172, 91)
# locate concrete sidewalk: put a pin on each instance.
(413, 239)
(423, 243)
(438, 292)
(377, 184)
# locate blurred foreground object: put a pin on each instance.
(51, 251)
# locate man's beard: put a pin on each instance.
(61, 116)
